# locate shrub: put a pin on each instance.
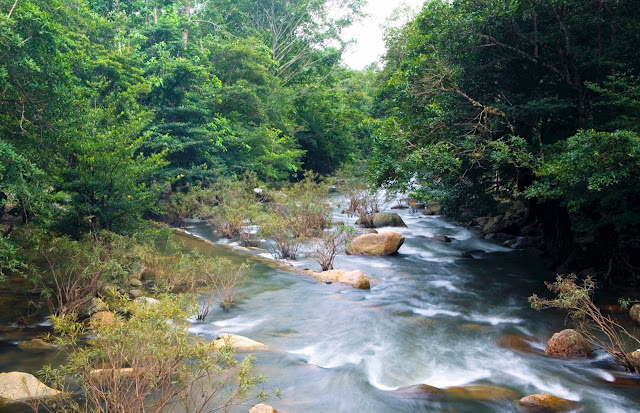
(146, 362)
(576, 298)
(333, 242)
(236, 211)
(74, 272)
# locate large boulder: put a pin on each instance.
(385, 243)
(18, 386)
(481, 392)
(545, 402)
(240, 343)
(262, 408)
(384, 219)
(634, 312)
(354, 278)
(568, 344)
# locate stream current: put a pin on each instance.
(431, 317)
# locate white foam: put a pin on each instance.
(430, 312)
(448, 285)
(495, 320)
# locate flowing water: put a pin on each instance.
(431, 317)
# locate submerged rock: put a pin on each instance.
(240, 343)
(355, 278)
(420, 391)
(545, 402)
(385, 243)
(518, 343)
(568, 344)
(441, 238)
(18, 386)
(262, 408)
(385, 219)
(481, 392)
(36, 344)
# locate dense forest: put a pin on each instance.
(106, 105)
(481, 102)
(120, 119)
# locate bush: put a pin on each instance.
(576, 298)
(333, 242)
(74, 271)
(146, 362)
(236, 211)
(300, 213)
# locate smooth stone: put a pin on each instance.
(545, 402)
(134, 282)
(354, 278)
(568, 344)
(262, 408)
(240, 343)
(385, 243)
(481, 392)
(145, 301)
(135, 293)
(36, 344)
(441, 238)
(385, 219)
(18, 386)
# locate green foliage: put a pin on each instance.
(237, 211)
(145, 361)
(595, 171)
(300, 212)
(478, 101)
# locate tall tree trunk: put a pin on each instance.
(557, 233)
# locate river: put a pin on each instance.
(431, 317)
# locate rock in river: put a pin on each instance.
(35, 344)
(355, 278)
(18, 386)
(240, 343)
(386, 219)
(568, 344)
(481, 392)
(545, 402)
(262, 408)
(385, 243)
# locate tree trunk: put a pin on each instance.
(557, 234)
